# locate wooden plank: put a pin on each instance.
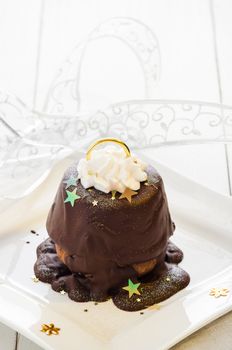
(182, 28)
(223, 27)
(7, 338)
(215, 336)
(26, 344)
(19, 23)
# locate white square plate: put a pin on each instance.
(204, 232)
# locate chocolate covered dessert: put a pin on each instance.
(109, 230)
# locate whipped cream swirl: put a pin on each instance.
(110, 170)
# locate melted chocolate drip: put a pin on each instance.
(162, 282)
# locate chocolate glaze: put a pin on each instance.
(102, 242)
(165, 280)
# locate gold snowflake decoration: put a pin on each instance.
(219, 292)
(154, 307)
(50, 329)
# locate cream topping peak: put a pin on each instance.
(109, 169)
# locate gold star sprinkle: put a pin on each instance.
(50, 329)
(90, 190)
(219, 292)
(138, 300)
(168, 279)
(128, 193)
(62, 292)
(35, 279)
(113, 195)
(146, 183)
(95, 203)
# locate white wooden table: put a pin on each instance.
(195, 40)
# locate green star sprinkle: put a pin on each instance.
(132, 288)
(72, 181)
(72, 196)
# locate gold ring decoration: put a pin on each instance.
(100, 141)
